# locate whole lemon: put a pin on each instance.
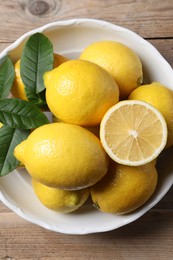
(80, 92)
(60, 200)
(124, 188)
(161, 98)
(18, 88)
(119, 60)
(63, 156)
(93, 129)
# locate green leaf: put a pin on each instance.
(41, 100)
(6, 77)
(9, 139)
(37, 58)
(17, 113)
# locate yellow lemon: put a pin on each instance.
(80, 92)
(59, 59)
(18, 88)
(63, 156)
(133, 132)
(119, 60)
(161, 98)
(60, 200)
(93, 129)
(124, 188)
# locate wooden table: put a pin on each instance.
(150, 237)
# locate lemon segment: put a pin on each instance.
(133, 132)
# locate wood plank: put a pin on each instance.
(151, 235)
(165, 47)
(147, 18)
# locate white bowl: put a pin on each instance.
(70, 38)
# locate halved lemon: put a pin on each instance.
(133, 132)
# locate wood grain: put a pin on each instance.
(148, 18)
(150, 237)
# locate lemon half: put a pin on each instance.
(133, 132)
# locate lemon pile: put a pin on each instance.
(107, 134)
